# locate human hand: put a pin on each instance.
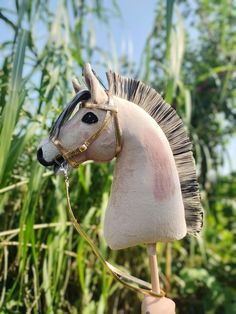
(152, 305)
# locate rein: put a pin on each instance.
(130, 282)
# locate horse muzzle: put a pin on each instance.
(56, 163)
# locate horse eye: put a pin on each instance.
(90, 118)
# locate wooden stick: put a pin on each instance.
(152, 305)
(151, 249)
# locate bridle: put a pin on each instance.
(111, 114)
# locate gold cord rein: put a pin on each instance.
(134, 283)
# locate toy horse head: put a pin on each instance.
(84, 130)
(154, 195)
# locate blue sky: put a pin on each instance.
(125, 35)
(134, 27)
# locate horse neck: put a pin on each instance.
(145, 193)
(146, 161)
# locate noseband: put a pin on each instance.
(111, 114)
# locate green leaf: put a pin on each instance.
(10, 114)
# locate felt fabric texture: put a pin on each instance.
(145, 204)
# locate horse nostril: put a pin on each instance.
(40, 154)
(41, 159)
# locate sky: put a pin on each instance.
(126, 34)
(134, 26)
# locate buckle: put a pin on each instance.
(83, 148)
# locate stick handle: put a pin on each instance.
(152, 305)
(151, 249)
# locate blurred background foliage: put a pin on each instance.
(189, 57)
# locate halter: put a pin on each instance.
(111, 114)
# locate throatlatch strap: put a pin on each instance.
(134, 283)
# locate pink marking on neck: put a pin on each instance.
(161, 160)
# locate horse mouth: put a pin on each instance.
(59, 164)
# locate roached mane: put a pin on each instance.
(171, 124)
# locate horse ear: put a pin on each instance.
(77, 87)
(98, 94)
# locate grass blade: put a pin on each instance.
(11, 110)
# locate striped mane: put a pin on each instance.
(171, 124)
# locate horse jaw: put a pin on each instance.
(145, 204)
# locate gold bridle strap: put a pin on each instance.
(111, 112)
(127, 280)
